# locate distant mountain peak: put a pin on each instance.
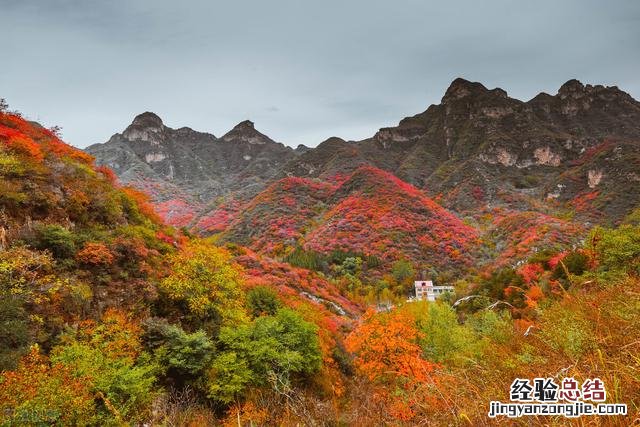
(148, 119)
(245, 125)
(245, 131)
(147, 126)
(571, 86)
(460, 88)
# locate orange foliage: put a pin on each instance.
(534, 294)
(95, 254)
(36, 388)
(20, 143)
(117, 335)
(387, 352)
(385, 347)
(530, 273)
(142, 201)
(60, 149)
(108, 173)
(36, 142)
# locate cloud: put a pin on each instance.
(331, 68)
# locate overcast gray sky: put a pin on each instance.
(301, 70)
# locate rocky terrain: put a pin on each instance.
(576, 150)
(482, 144)
(184, 169)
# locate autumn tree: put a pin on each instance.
(109, 357)
(95, 254)
(386, 346)
(38, 393)
(387, 351)
(204, 278)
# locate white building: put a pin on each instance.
(426, 291)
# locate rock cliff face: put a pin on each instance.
(183, 169)
(578, 150)
(481, 146)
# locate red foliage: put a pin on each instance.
(593, 152)
(20, 144)
(478, 193)
(36, 142)
(530, 273)
(555, 260)
(583, 201)
(220, 218)
(176, 212)
(279, 215)
(524, 232)
(107, 173)
(176, 239)
(292, 282)
(60, 149)
(383, 216)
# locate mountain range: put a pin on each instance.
(478, 165)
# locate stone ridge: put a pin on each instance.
(477, 147)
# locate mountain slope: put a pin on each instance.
(370, 212)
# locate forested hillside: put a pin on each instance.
(292, 309)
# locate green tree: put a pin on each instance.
(575, 262)
(125, 384)
(183, 353)
(403, 275)
(281, 345)
(109, 355)
(14, 331)
(443, 338)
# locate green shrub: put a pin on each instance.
(263, 300)
(492, 325)
(444, 339)
(14, 331)
(127, 385)
(567, 330)
(183, 353)
(270, 347)
(57, 239)
(575, 262)
(618, 249)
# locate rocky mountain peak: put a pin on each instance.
(571, 88)
(245, 131)
(147, 119)
(147, 126)
(461, 88)
(245, 125)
